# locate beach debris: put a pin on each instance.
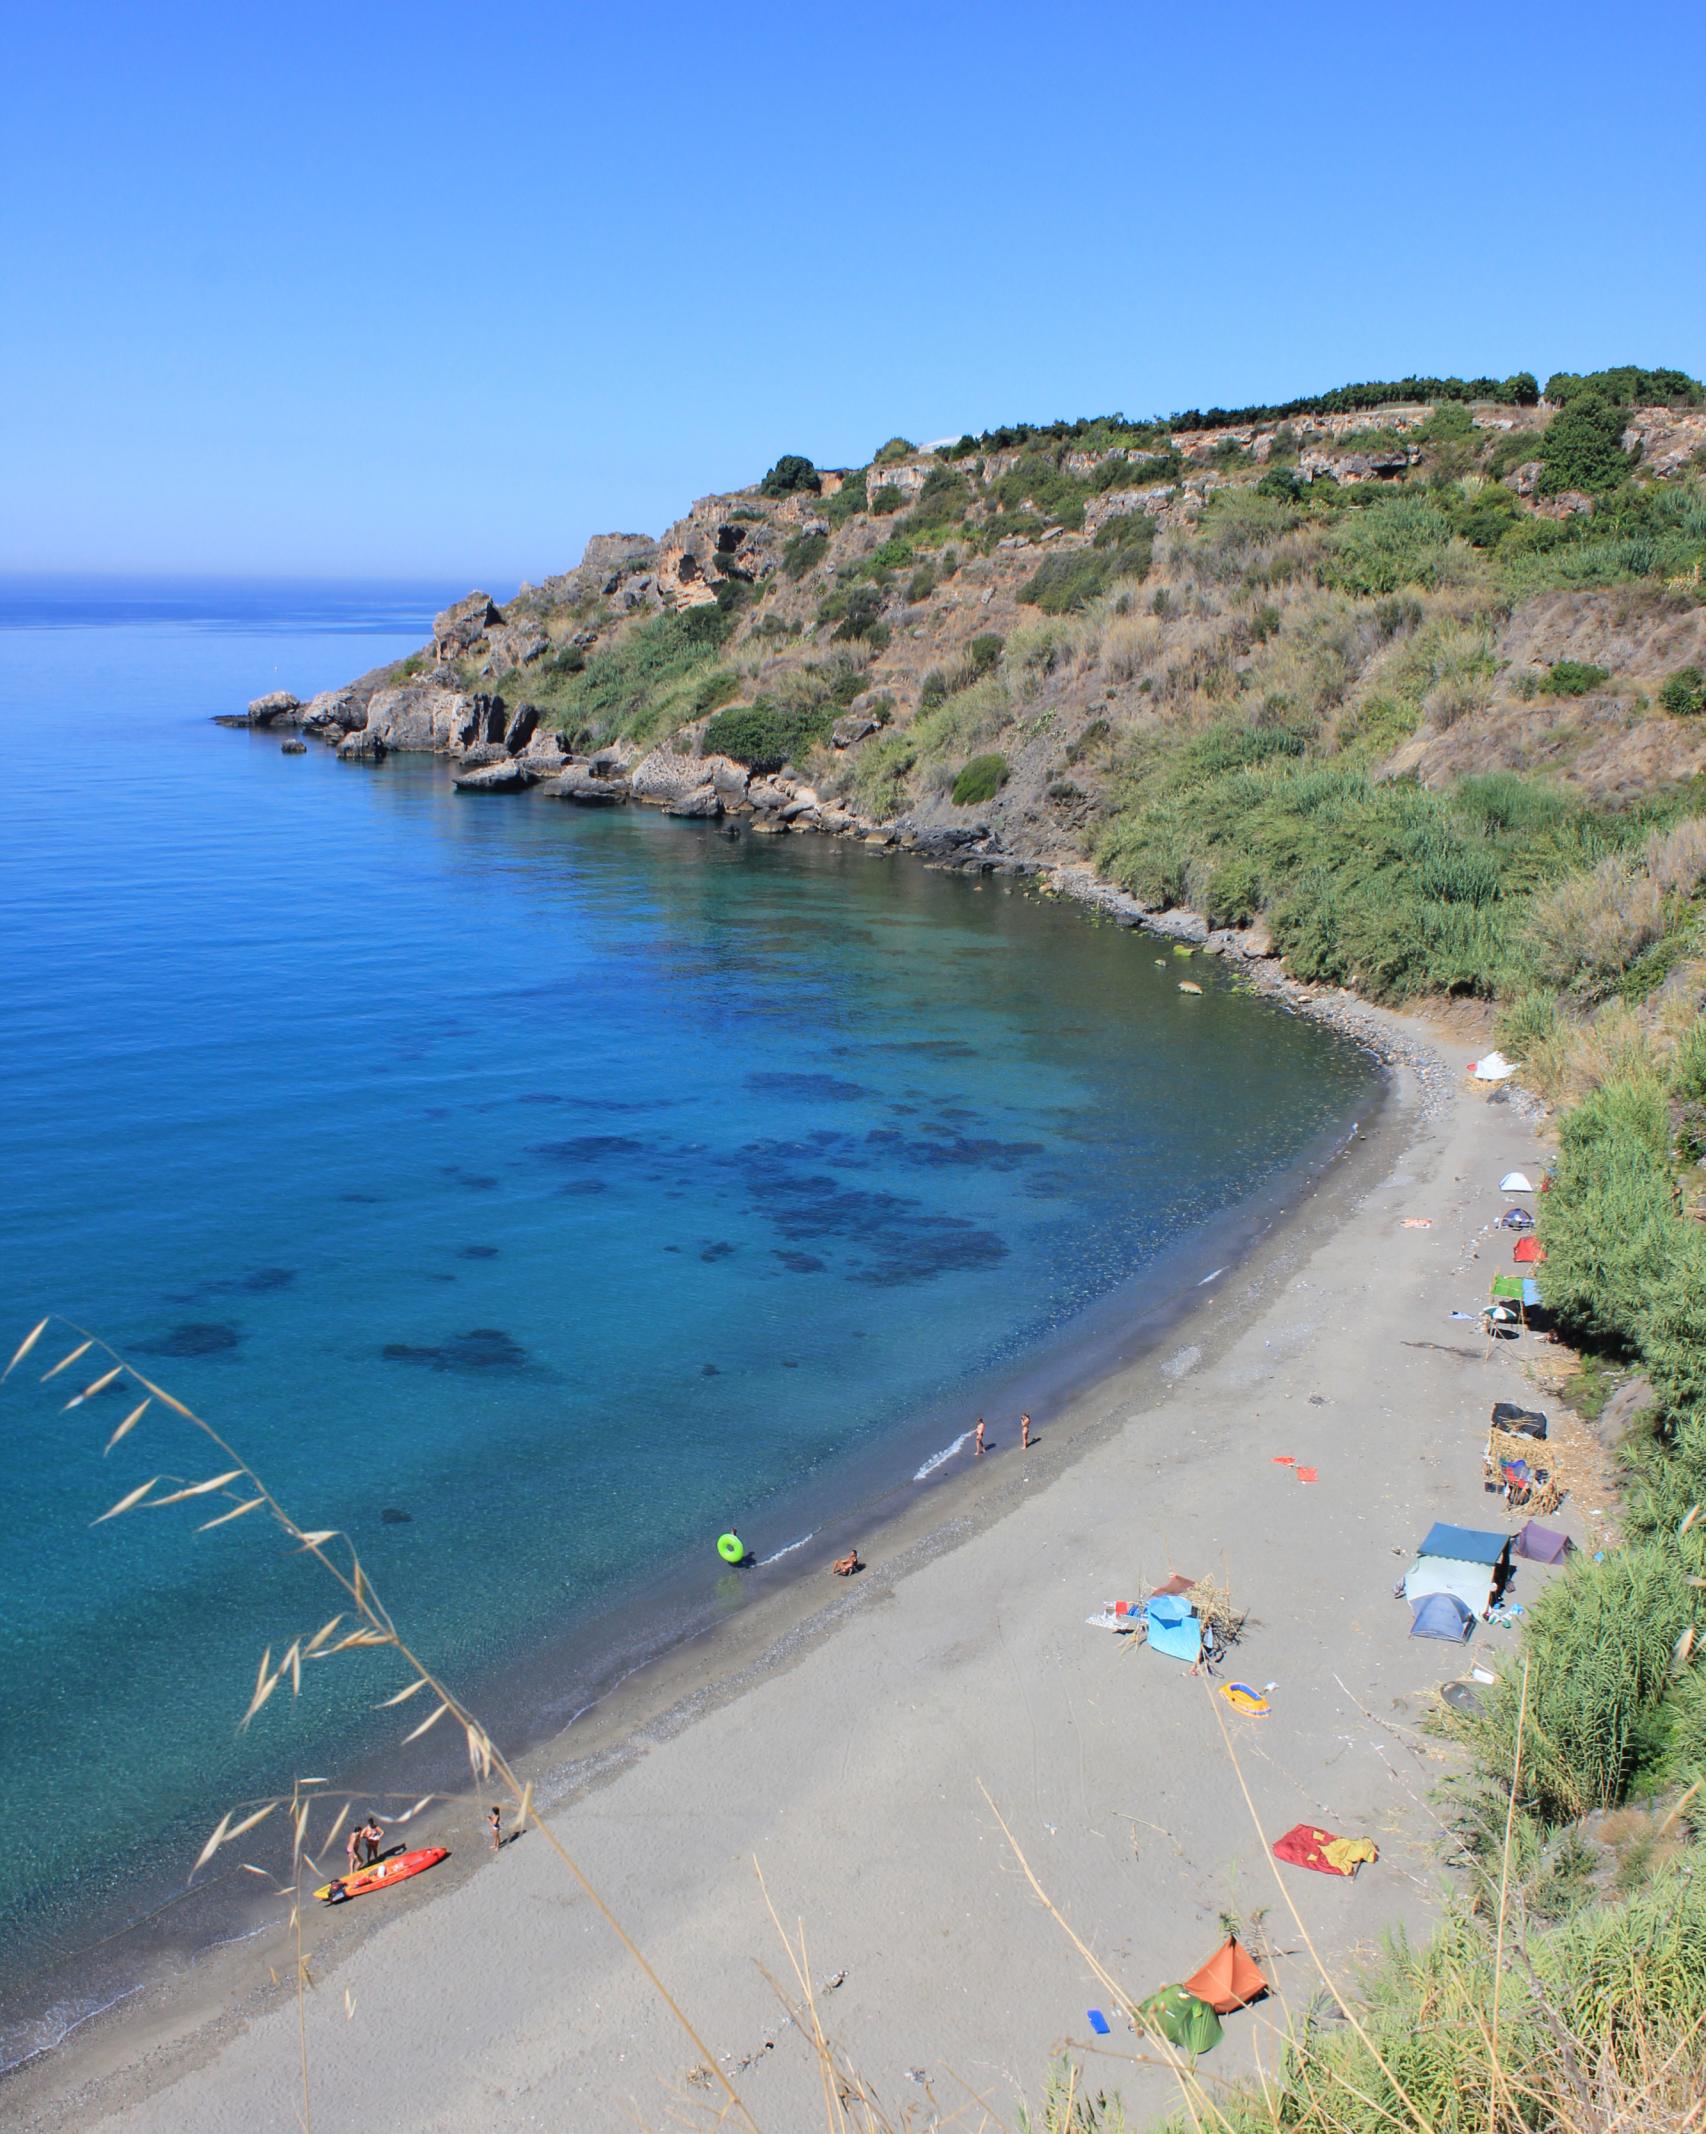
(1306, 1846)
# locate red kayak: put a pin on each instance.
(398, 1868)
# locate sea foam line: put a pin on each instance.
(789, 1550)
(61, 2019)
(940, 1459)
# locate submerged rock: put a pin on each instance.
(482, 1348)
(198, 1337)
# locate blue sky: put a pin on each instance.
(406, 289)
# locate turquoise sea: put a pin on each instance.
(529, 1192)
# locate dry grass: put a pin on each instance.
(1594, 925)
(1676, 858)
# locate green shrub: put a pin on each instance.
(1599, 1643)
(1628, 385)
(1684, 694)
(1394, 540)
(980, 781)
(1039, 481)
(791, 472)
(1526, 1023)
(1064, 583)
(857, 613)
(847, 502)
(1572, 678)
(804, 553)
(647, 680)
(1582, 447)
(942, 502)
(1610, 1236)
(763, 735)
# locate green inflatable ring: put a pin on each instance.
(731, 1548)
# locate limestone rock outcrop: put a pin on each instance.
(681, 785)
(278, 707)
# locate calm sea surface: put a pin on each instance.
(529, 1192)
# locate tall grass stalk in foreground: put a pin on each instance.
(363, 1623)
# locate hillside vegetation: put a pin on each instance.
(1280, 667)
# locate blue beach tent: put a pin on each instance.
(1441, 1615)
(1173, 1628)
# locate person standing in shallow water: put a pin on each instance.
(977, 1439)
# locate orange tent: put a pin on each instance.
(1228, 1980)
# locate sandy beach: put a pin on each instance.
(843, 1738)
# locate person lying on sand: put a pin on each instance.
(845, 1566)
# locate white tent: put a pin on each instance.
(1471, 1583)
(1492, 1067)
(1516, 1182)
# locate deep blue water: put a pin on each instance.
(573, 1183)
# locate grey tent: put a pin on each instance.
(1462, 1560)
(1540, 1545)
(1441, 1615)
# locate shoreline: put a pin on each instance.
(652, 1681)
(782, 1632)
(188, 1926)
